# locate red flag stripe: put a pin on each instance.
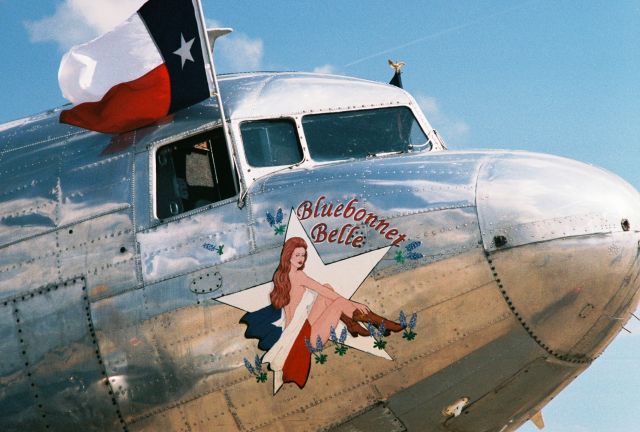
(126, 106)
(298, 363)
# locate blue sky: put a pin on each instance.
(559, 77)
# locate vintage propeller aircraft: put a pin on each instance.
(136, 269)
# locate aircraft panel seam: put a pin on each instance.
(26, 211)
(21, 168)
(417, 357)
(634, 269)
(374, 378)
(268, 189)
(31, 369)
(198, 268)
(28, 368)
(67, 225)
(251, 222)
(47, 140)
(563, 357)
(134, 222)
(67, 249)
(101, 162)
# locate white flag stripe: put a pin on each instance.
(89, 70)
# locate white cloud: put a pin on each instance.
(237, 52)
(325, 69)
(78, 21)
(241, 53)
(452, 129)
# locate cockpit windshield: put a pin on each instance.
(359, 134)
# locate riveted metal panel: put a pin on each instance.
(103, 249)
(332, 184)
(431, 237)
(426, 198)
(342, 385)
(223, 279)
(38, 132)
(18, 407)
(28, 199)
(191, 242)
(95, 188)
(528, 197)
(130, 355)
(159, 345)
(186, 122)
(253, 270)
(62, 358)
(28, 264)
(269, 95)
(380, 417)
(205, 282)
(141, 198)
(504, 406)
(577, 280)
(209, 412)
(10, 361)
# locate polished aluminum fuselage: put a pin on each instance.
(109, 318)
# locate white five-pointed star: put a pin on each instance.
(185, 50)
(344, 276)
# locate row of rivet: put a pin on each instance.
(523, 323)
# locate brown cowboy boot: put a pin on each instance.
(353, 327)
(376, 320)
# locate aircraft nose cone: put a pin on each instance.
(562, 241)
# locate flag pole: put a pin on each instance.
(213, 78)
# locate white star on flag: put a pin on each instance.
(185, 50)
(344, 276)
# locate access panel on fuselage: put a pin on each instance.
(55, 360)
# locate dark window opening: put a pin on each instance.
(271, 143)
(193, 173)
(359, 134)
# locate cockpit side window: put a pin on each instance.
(193, 173)
(359, 134)
(271, 143)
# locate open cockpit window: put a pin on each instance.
(193, 173)
(270, 143)
(360, 134)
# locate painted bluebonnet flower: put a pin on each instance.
(378, 335)
(213, 248)
(341, 348)
(408, 334)
(413, 245)
(332, 335)
(317, 350)
(249, 366)
(343, 335)
(409, 253)
(276, 222)
(310, 347)
(414, 255)
(261, 376)
(403, 319)
(413, 321)
(271, 219)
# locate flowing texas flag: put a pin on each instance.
(149, 66)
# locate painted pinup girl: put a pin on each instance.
(302, 308)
